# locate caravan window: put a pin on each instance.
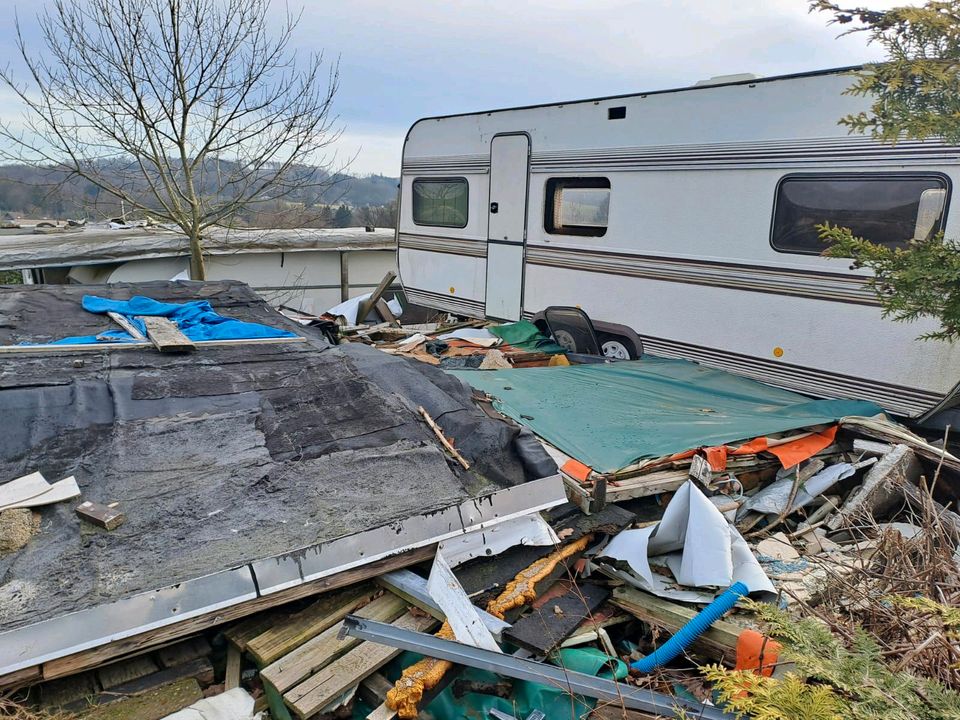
(577, 206)
(440, 201)
(888, 209)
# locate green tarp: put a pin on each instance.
(608, 416)
(524, 335)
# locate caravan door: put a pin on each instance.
(507, 226)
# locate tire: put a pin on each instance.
(617, 347)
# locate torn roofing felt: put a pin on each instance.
(220, 457)
(608, 416)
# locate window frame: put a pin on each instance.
(894, 175)
(549, 220)
(428, 178)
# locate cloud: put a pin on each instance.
(401, 61)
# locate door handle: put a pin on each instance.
(494, 208)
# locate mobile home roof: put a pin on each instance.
(687, 88)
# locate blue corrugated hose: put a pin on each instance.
(692, 630)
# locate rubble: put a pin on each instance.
(577, 597)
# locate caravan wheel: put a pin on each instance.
(616, 347)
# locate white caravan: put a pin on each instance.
(686, 217)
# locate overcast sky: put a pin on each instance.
(401, 60)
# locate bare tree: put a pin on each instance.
(189, 111)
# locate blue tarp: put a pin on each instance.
(196, 320)
(608, 416)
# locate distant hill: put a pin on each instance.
(25, 191)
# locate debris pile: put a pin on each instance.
(452, 521)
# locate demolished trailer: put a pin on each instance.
(306, 268)
(249, 474)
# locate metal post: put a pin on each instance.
(626, 696)
(344, 276)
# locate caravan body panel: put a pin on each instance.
(672, 231)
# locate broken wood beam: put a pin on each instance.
(315, 654)
(443, 439)
(123, 322)
(166, 336)
(308, 698)
(384, 311)
(367, 305)
(231, 676)
(285, 636)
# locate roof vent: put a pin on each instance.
(725, 79)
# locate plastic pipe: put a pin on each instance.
(692, 630)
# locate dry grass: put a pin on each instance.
(15, 711)
(904, 593)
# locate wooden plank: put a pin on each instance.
(373, 689)
(242, 633)
(181, 652)
(59, 693)
(307, 698)
(152, 705)
(719, 642)
(231, 677)
(126, 670)
(123, 322)
(16, 680)
(287, 635)
(166, 336)
(314, 654)
(384, 311)
(543, 629)
(367, 305)
(443, 439)
(199, 669)
(138, 643)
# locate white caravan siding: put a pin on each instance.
(686, 259)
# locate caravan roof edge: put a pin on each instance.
(750, 81)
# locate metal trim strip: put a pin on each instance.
(465, 306)
(57, 637)
(764, 153)
(64, 635)
(576, 683)
(318, 561)
(736, 276)
(449, 245)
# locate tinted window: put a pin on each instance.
(577, 206)
(885, 209)
(441, 202)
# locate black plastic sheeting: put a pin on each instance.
(222, 456)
